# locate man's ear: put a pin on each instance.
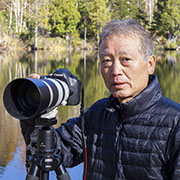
(151, 64)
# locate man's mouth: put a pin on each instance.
(118, 85)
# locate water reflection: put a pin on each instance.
(10, 140)
(168, 73)
(85, 65)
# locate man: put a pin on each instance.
(135, 133)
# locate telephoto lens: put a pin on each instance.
(28, 98)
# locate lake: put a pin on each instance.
(83, 64)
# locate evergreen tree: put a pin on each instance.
(99, 14)
(64, 17)
(122, 9)
(167, 19)
(85, 24)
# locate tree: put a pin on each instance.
(167, 19)
(150, 7)
(16, 10)
(85, 24)
(99, 14)
(135, 9)
(64, 17)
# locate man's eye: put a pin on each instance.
(126, 59)
(106, 60)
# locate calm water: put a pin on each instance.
(86, 67)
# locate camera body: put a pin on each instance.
(28, 98)
(72, 81)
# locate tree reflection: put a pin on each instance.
(9, 136)
(168, 74)
(45, 63)
(86, 67)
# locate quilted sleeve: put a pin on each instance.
(174, 165)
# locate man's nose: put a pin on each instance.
(117, 68)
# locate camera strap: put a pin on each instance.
(83, 134)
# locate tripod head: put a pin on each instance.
(45, 156)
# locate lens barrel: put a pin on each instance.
(27, 98)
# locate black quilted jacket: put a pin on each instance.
(138, 140)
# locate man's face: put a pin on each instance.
(123, 68)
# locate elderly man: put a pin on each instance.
(135, 133)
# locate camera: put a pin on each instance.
(28, 98)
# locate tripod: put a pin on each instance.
(46, 158)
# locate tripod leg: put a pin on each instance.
(33, 173)
(44, 175)
(62, 174)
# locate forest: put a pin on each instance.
(39, 22)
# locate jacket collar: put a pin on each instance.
(149, 96)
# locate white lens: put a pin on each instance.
(51, 93)
(63, 91)
(66, 92)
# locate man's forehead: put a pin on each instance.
(105, 52)
(120, 37)
(106, 49)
